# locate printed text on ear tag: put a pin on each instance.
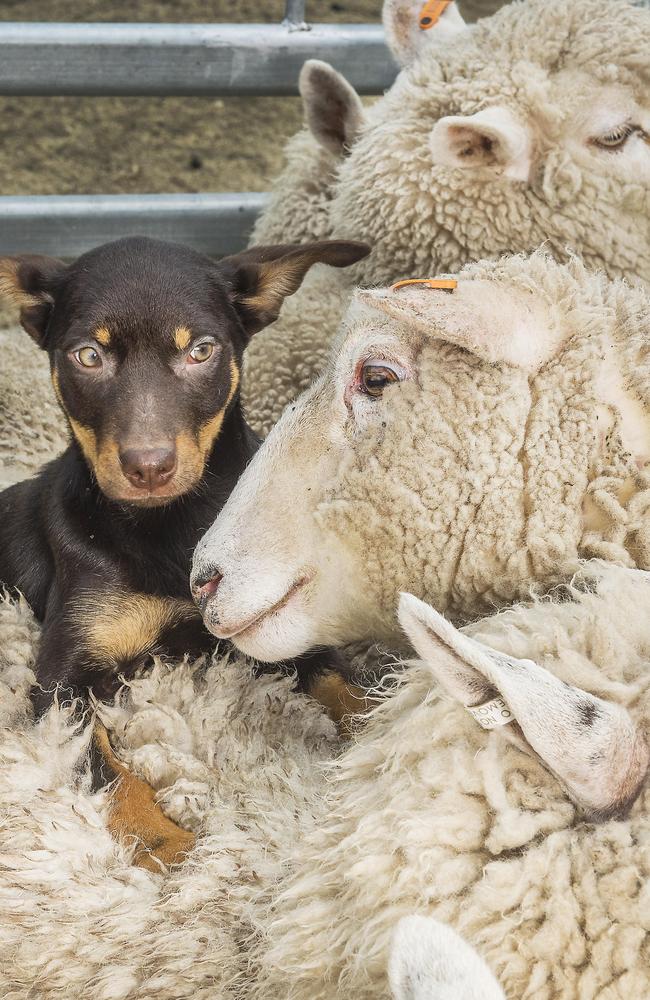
(492, 714)
(432, 12)
(446, 284)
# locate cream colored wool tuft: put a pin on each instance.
(235, 758)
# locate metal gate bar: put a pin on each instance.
(131, 60)
(50, 59)
(67, 225)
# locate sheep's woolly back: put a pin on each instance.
(429, 814)
(32, 427)
(297, 880)
(298, 210)
(234, 758)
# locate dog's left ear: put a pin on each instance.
(29, 281)
(261, 278)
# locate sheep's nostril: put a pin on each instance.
(203, 589)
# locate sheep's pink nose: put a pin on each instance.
(150, 468)
(203, 588)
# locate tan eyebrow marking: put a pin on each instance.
(182, 337)
(103, 336)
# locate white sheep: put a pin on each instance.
(528, 127)
(529, 353)
(236, 758)
(430, 814)
(463, 446)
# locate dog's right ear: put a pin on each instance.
(29, 281)
(261, 277)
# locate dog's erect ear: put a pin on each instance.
(30, 281)
(592, 746)
(333, 109)
(261, 278)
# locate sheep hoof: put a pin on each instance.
(134, 815)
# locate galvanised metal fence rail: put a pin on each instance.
(166, 60)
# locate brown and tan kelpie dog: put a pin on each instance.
(145, 341)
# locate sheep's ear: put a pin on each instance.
(333, 108)
(496, 323)
(592, 746)
(29, 282)
(261, 278)
(492, 140)
(430, 960)
(407, 30)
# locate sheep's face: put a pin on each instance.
(546, 139)
(373, 482)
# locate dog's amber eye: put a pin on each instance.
(88, 357)
(201, 353)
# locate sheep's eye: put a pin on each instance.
(200, 353)
(88, 357)
(616, 138)
(375, 377)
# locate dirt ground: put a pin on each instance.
(71, 145)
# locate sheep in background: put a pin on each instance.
(528, 127)
(430, 814)
(465, 447)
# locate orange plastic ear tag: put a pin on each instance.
(432, 12)
(446, 284)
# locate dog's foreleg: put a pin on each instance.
(134, 815)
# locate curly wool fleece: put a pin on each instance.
(429, 814)
(232, 757)
(298, 879)
(550, 62)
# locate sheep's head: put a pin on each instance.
(531, 125)
(428, 457)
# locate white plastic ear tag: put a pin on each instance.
(492, 714)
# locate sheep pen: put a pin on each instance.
(311, 853)
(496, 848)
(392, 174)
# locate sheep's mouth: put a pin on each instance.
(242, 630)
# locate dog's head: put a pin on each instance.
(145, 342)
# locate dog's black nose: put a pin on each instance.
(203, 587)
(149, 468)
